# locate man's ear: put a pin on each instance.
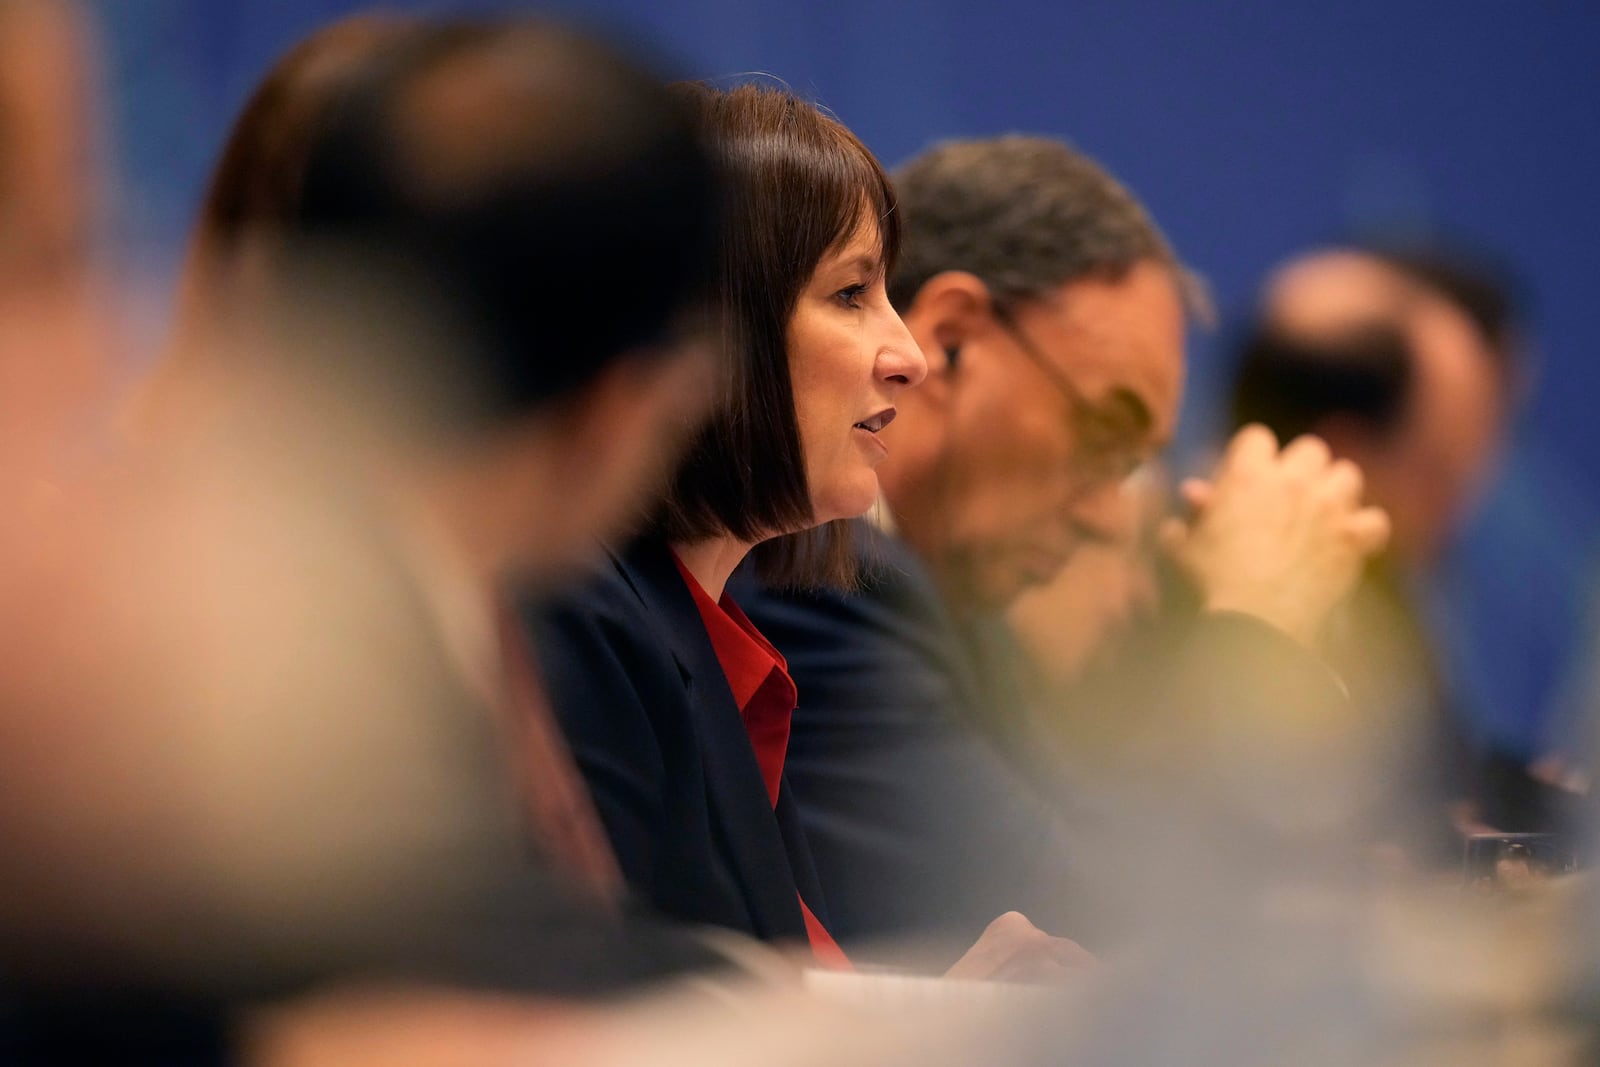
(949, 309)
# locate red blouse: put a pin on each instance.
(759, 677)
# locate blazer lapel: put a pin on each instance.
(736, 795)
(895, 574)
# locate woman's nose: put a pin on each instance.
(900, 359)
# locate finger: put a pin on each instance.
(1307, 453)
(1002, 941)
(1069, 953)
(1369, 528)
(1035, 968)
(1012, 923)
(1046, 960)
(1252, 444)
(1345, 481)
(1197, 493)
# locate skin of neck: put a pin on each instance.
(712, 561)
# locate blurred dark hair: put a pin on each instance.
(251, 201)
(1026, 215)
(542, 192)
(800, 185)
(1483, 290)
(1290, 384)
(256, 186)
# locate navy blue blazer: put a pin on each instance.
(916, 761)
(918, 823)
(654, 728)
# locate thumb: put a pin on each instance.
(1369, 528)
(1197, 493)
(1069, 953)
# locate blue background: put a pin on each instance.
(1251, 129)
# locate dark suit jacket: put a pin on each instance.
(654, 728)
(918, 823)
(923, 778)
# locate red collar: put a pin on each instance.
(757, 674)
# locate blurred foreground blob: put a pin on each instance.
(226, 675)
(246, 735)
(54, 353)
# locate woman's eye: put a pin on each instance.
(850, 295)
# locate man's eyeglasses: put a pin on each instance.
(1111, 436)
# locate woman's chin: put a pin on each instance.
(849, 502)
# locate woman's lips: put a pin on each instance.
(870, 440)
(877, 422)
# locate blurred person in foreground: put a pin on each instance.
(1406, 361)
(677, 707)
(1051, 312)
(247, 729)
(47, 290)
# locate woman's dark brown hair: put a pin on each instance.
(800, 185)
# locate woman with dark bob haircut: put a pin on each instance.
(677, 709)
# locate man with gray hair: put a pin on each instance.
(1052, 313)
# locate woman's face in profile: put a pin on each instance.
(849, 358)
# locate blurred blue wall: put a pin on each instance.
(1250, 128)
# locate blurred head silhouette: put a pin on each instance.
(480, 245)
(254, 191)
(1403, 360)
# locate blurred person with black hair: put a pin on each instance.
(1051, 311)
(247, 736)
(1406, 359)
